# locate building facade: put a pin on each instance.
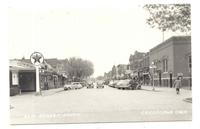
(172, 57)
(144, 69)
(23, 76)
(135, 62)
(121, 71)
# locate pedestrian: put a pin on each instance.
(133, 84)
(177, 84)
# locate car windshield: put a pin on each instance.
(123, 82)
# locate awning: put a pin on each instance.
(16, 68)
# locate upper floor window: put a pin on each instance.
(165, 65)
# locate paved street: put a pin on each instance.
(101, 105)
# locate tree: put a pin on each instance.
(173, 17)
(100, 78)
(78, 68)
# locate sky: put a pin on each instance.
(106, 33)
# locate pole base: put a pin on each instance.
(38, 93)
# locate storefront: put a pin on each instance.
(21, 80)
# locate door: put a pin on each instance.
(160, 79)
(27, 81)
(170, 80)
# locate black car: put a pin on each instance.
(100, 85)
(90, 85)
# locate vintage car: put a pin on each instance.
(113, 83)
(73, 85)
(123, 84)
(90, 85)
(100, 84)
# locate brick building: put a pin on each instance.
(172, 57)
(121, 71)
(135, 62)
(144, 69)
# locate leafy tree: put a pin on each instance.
(78, 68)
(174, 17)
(100, 78)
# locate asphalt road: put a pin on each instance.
(101, 105)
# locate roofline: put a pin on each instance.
(173, 38)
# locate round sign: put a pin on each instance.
(37, 58)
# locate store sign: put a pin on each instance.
(37, 58)
(15, 79)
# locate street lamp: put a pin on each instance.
(153, 67)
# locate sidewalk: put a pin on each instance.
(43, 92)
(52, 91)
(158, 88)
(185, 94)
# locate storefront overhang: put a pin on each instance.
(15, 68)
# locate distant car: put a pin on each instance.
(106, 82)
(67, 87)
(100, 84)
(90, 85)
(76, 85)
(73, 85)
(113, 83)
(123, 84)
(84, 84)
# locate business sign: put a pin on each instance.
(37, 58)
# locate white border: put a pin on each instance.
(4, 94)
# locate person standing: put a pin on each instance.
(177, 84)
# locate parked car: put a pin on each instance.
(84, 84)
(123, 84)
(76, 85)
(113, 83)
(73, 85)
(67, 87)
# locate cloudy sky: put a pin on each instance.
(105, 33)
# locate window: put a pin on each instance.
(165, 65)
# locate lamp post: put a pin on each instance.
(153, 67)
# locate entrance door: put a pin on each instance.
(160, 79)
(170, 80)
(27, 81)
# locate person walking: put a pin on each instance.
(177, 84)
(133, 83)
